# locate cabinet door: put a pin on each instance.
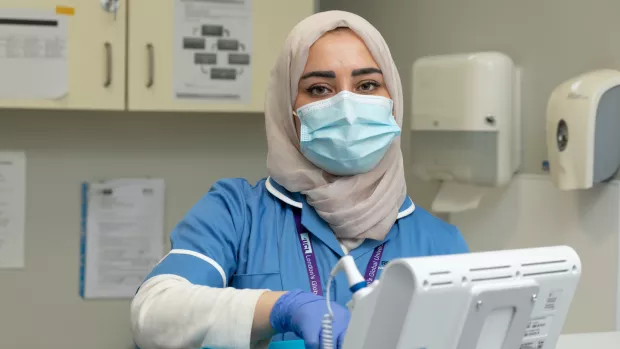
(96, 52)
(153, 46)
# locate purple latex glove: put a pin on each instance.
(302, 313)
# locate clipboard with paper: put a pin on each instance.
(122, 235)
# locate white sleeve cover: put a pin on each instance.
(169, 312)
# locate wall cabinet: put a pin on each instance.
(151, 53)
(125, 60)
(96, 53)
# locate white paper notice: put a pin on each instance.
(12, 209)
(33, 54)
(213, 50)
(122, 235)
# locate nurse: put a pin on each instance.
(249, 263)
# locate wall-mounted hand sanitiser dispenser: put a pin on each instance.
(465, 124)
(583, 130)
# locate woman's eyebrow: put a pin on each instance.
(366, 71)
(320, 74)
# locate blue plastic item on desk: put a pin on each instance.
(295, 344)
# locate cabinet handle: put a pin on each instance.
(150, 80)
(108, 65)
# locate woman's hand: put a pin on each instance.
(302, 313)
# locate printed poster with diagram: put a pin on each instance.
(213, 50)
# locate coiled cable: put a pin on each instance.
(328, 319)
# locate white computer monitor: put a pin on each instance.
(514, 299)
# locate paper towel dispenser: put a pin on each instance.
(466, 119)
(583, 130)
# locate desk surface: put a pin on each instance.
(594, 340)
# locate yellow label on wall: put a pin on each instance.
(65, 10)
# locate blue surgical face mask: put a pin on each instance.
(347, 134)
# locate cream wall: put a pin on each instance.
(552, 40)
(39, 305)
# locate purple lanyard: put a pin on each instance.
(310, 260)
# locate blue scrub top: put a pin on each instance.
(245, 236)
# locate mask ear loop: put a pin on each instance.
(297, 129)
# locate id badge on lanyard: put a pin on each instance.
(312, 269)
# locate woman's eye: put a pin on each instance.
(318, 90)
(368, 86)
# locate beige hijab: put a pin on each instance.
(355, 207)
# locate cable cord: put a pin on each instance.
(328, 319)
